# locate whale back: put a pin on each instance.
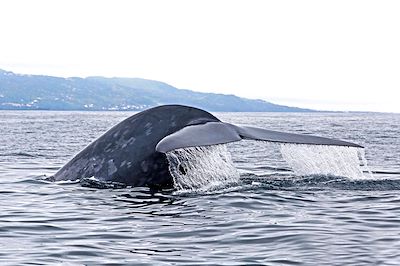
(126, 153)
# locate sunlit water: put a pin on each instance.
(268, 216)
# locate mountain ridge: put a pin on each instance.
(41, 92)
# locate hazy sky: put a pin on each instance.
(331, 55)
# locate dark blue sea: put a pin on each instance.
(270, 217)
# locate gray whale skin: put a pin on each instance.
(133, 151)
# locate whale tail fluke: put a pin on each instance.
(213, 133)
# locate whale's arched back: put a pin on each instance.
(126, 153)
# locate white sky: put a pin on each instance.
(330, 55)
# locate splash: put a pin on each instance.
(306, 160)
(202, 168)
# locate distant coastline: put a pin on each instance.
(39, 92)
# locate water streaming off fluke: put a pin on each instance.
(202, 168)
(207, 167)
(308, 160)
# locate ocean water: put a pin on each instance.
(271, 216)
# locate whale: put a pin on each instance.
(133, 152)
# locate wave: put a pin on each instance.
(20, 154)
(321, 182)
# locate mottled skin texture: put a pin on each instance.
(126, 153)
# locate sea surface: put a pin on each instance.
(270, 217)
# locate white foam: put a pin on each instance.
(67, 181)
(325, 160)
(202, 168)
